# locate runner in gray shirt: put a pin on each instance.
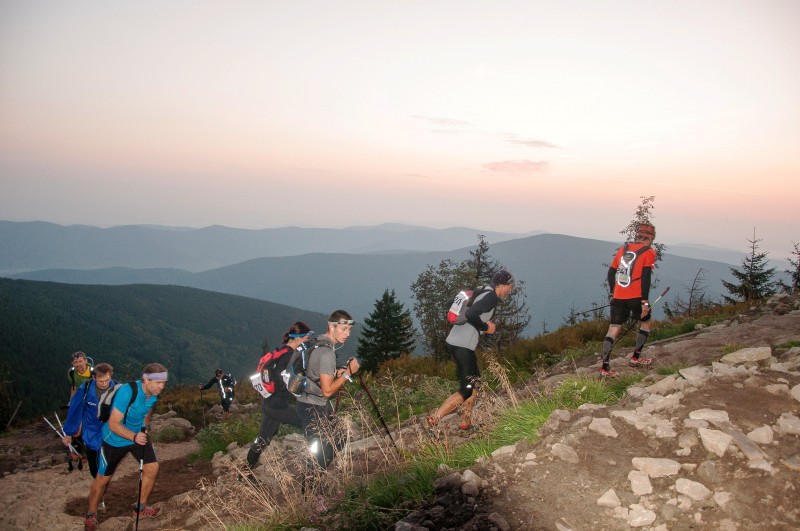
(323, 382)
(461, 344)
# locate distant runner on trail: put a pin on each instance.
(124, 433)
(461, 344)
(225, 383)
(80, 371)
(629, 282)
(278, 408)
(82, 423)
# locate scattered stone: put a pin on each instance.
(715, 441)
(747, 446)
(563, 525)
(709, 415)
(640, 516)
(695, 375)
(640, 482)
(796, 392)
(762, 435)
(656, 467)
(565, 453)
(788, 424)
(663, 387)
(744, 355)
(504, 451)
(693, 489)
(609, 499)
(603, 427)
(793, 463)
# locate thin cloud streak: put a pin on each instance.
(518, 166)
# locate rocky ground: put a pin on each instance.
(716, 446)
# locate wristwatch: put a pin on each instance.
(645, 303)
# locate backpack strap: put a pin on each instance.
(636, 255)
(134, 392)
(307, 358)
(477, 292)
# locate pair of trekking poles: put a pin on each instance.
(61, 433)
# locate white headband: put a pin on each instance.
(158, 376)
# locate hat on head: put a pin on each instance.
(502, 277)
(646, 230)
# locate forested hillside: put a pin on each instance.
(191, 331)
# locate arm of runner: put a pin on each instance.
(482, 304)
(73, 422)
(611, 278)
(115, 425)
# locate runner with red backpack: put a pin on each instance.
(277, 406)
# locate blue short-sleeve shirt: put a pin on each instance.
(136, 414)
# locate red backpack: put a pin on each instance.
(264, 379)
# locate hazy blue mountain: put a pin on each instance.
(30, 246)
(561, 272)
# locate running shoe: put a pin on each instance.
(90, 522)
(640, 362)
(147, 511)
(608, 373)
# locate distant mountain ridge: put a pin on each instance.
(561, 272)
(35, 245)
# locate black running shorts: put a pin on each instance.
(110, 456)
(622, 309)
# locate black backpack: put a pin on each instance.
(106, 401)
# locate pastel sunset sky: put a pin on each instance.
(512, 116)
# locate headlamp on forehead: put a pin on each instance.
(342, 322)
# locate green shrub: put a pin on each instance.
(169, 434)
(727, 348)
(789, 344)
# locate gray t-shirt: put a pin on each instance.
(322, 361)
(478, 314)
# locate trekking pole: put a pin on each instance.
(651, 309)
(60, 433)
(65, 434)
(378, 411)
(593, 309)
(141, 471)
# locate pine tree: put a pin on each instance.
(755, 278)
(793, 271)
(388, 333)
